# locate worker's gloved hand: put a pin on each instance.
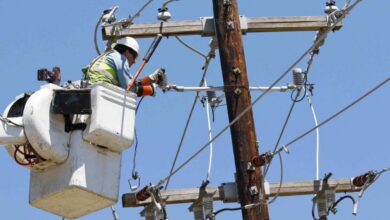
(159, 77)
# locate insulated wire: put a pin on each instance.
(317, 136)
(280, 182)
(207, 62)
(136, 141)
(95, 35)
(190, 47)
(369, 183)
(167, 2)
(138, 13)
(316, 43)
(210, 136)
(339, 112)
(319, 41)
(282, 131)
(182, 136)
(280, 156)
(205, 68)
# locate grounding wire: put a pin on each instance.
(317, 135)
(205, 68)
(317, 42)
(336, 114)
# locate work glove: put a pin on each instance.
(159, 77)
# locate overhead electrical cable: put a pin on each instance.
(282, 132)
(205, 69)
(190, 47)
(336, 114)
(210, 136)
(95, 35)
(317, 135)
(134, 173)
(315, 44)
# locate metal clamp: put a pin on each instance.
(208, 25)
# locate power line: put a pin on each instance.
(205, 69)
(315, 44)
(336, 114)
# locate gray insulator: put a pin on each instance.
(298, 77)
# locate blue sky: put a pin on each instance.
(38, 34)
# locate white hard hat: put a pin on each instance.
(129, 42)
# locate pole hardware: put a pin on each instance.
(227, 3)
(109, 15)
(203, 206)
(261, 160)
(250, 167)
(330, 7)
(236, 71)
(230, 25)
(237, 91)
(135, 186)
(253, 191)
(324, 199)
(364, 179)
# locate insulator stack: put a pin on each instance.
(359, 181)
(261, 160)
(298, 78)
(143, 194)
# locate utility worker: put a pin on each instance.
(114, 67)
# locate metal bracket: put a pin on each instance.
(229, 25)
(236, 71)
(243, 24)
(203, 206)
(227, 2)
(230, 193)
(250, 167)
(208, 25)
(237, 91)
(253, 191)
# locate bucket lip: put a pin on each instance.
(113, 87)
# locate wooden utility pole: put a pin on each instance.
(250, 182)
